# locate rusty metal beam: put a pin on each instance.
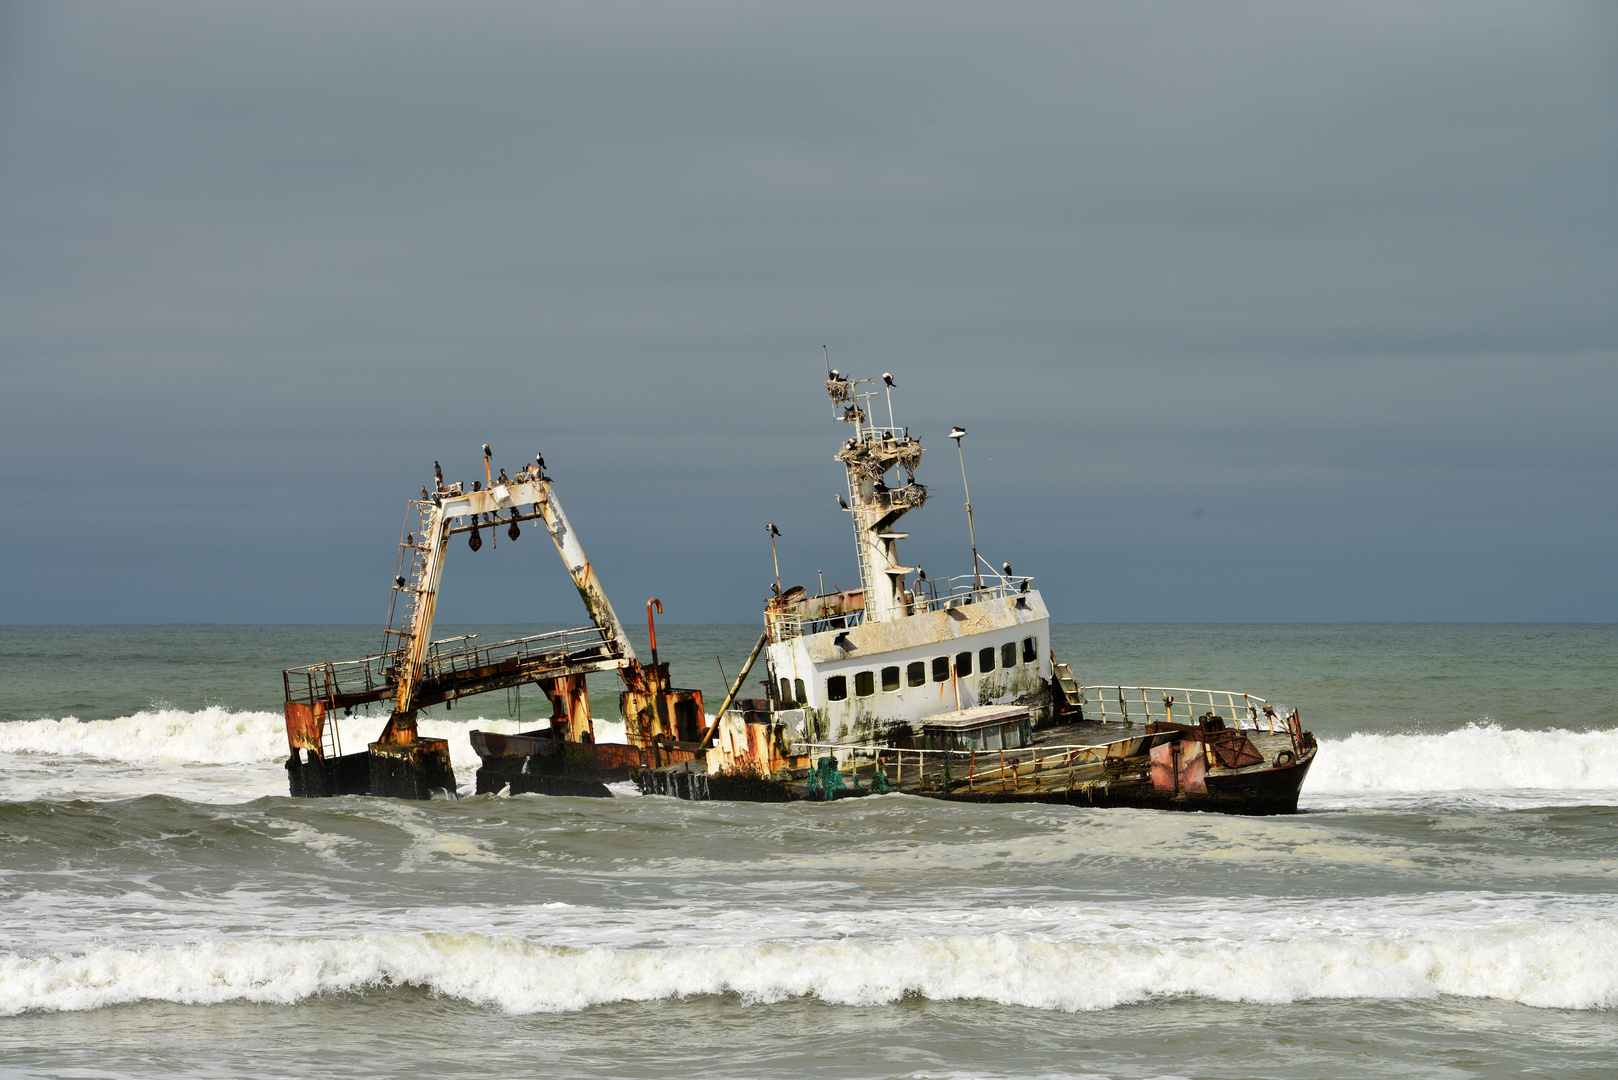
(583, 574)
(412, 682)
(735, 688)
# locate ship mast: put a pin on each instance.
(868, 457)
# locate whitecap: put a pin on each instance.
(1566, 966)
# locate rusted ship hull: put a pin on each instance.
(1206, 766)
(413, 770)
(1273, 791)
(536, 762)
(1270, 792)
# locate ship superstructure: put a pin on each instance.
(872, 664)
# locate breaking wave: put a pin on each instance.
(211, 736)
(212, 754)
(1566, 966)
(246, 749)
(1478, 757)
(218, 736)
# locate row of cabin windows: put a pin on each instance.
(916, 673)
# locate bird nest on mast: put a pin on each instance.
(871, 467)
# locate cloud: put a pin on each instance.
(1341, 277)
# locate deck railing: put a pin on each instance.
(373, 677)
(786, 625)
(466, 656)
(954, 593)
(1179, 704)
(964, 590)
(1042, 761)
(346, 679)
(1134, 705)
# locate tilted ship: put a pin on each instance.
(945, 688)
(949, 688)
(414, 671)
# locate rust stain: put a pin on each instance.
(304, 725)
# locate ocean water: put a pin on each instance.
(1444, 906)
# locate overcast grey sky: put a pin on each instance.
(1344, 278)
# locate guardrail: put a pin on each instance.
(373, 678)
(1044, 759)
(330, 683)
(956, 592)
(469, 658)
(1135, 705)
(1239, 711)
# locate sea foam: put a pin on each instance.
(1567, 966)
(247, 749)
(211, 754)
(1478, 757)
(210, 736)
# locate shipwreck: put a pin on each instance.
(414, 671)
(946, 688)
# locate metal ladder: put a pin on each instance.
(412, 553)
(863, 548)
(1068, 684)
(331, 746)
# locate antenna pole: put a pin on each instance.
(977, 576)
(889, 389)
(777, 563)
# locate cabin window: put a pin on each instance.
(837, 688)
(986, 659)
(786, 692)
(802, 695)
(916, 673)
(1008, 654)
(940, 669)
(1030, 650)
(890, 678)
(963, 664)
(864, 684)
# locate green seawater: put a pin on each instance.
(1444, 906)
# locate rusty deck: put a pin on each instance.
(1161, 765)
